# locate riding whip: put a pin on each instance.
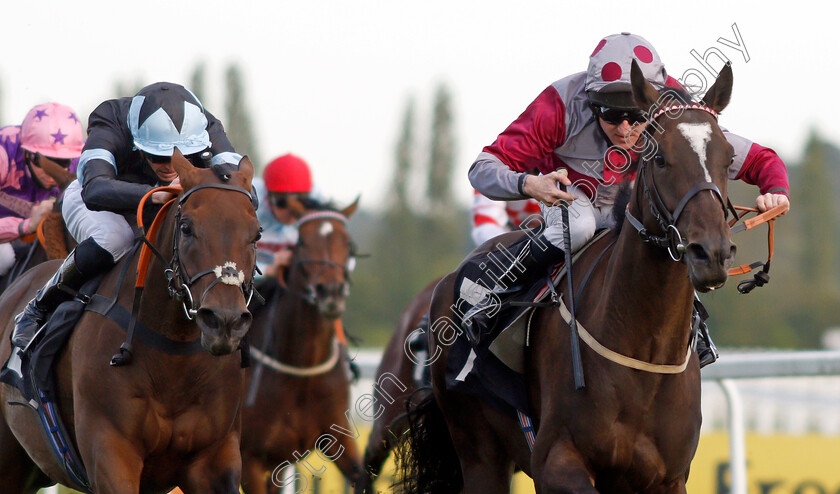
(577, 363)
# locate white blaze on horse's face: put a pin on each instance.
(698, 136)
(326, 229)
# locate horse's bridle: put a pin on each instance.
(180, 280)
(671, 240)
(310, 294)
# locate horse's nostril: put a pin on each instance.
(243, 322)
(209, 319)
(732, 250)
(698, 253)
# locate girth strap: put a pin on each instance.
(120, 315)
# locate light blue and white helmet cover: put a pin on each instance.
(163, 116)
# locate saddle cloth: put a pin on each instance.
(493, 368)
(32, 374)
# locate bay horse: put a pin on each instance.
(390, 425)
(627, 430)
(304, 393)
(165, 420)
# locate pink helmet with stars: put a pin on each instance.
(54, 130)
(608, 74)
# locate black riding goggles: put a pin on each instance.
(281, 201)
(36, 158)
(615, 116)
(194, 158)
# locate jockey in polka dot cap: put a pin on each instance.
(580, 132)
(33, 155)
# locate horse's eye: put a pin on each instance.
(659, 160)
(186, 228)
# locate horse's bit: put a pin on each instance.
(180, 280)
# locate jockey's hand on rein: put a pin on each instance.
(160, 197)
(544, 187)
(769, 201)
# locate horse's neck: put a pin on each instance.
(648, 300)
(301, 335)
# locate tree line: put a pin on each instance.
(413, 245)
(422, 233)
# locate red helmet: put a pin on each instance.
(288, 173)
(52, 130)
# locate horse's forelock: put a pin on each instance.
(677, 95)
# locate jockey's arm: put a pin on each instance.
(102, 191)
(13, 227)
(109, 142)
(499, 172)
(760, 166)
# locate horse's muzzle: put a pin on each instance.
(222, 329)
(330, 298)
(708, 263)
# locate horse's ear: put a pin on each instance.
(717, 97)
(644, 93)
(246, 168)
(186, 171)
(295, 207)
(349, 210)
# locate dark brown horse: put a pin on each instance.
(302, 399)
(628, 430)
(164, 420)
(389, 426)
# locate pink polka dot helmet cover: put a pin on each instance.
(609, 64)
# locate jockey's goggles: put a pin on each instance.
(615, 116)
(282, 200)
(158, 160)
(194, 158)
(62, 162)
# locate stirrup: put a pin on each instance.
(707, 352)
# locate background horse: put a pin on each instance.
(55, 242)
(627, 431)
(390, 425)
(165, 419)
(304, 392)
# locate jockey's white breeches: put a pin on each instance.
(584, 219)
(110, 230)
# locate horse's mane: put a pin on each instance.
(625, 192)
(679, 94)
(316, 205)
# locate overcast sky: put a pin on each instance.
(329, 80)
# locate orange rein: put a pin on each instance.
(768, 217)
(39, 233)
(145, 251)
